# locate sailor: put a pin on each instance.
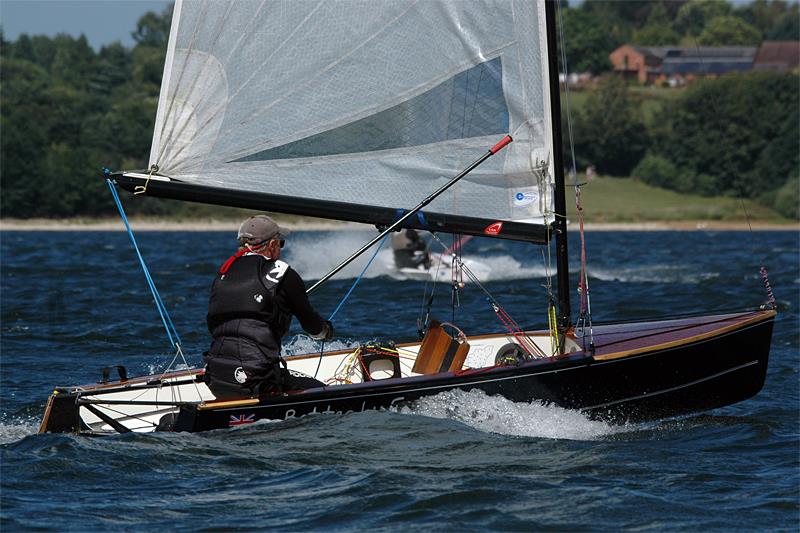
(410, 250)
(253, 299)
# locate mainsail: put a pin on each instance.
(321, 104)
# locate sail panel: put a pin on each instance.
(362, 103)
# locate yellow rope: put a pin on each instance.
(552, 323)
(141, 189)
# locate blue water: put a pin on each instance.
(73, 303)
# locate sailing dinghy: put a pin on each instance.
(355, 111)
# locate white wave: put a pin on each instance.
(496, 414)
(651, 274)
(506, 267)
(17, 430)
(313, 256)
(303, 344)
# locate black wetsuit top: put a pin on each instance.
(250, 309)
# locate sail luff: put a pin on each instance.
(160, 123)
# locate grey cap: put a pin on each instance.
(260, 228)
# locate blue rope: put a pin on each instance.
(353, 286)
(162, 309)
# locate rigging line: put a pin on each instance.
(346, 296)
(566, 85)
(762, 271)
(423, 322)
(364, 271)
(473, 278)
(162, 309)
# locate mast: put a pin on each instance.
(560, 224)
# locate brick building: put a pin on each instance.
(654, 64)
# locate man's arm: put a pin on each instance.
(293, 294)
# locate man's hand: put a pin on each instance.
(326, 334)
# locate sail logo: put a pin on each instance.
(523, 198)
(494, 228)
(239, 375)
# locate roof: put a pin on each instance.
(709, 52)
(780, 55)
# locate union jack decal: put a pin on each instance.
(238, 420)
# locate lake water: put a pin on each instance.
(75, 302)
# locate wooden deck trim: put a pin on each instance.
(760, 317)
(207, 406)
(47, 409)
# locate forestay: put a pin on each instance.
(361, 102)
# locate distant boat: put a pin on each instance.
(440, 269)
(350, 111)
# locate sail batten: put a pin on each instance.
(344, 102)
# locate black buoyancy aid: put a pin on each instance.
(240, 290)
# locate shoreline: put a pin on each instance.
(324, 225)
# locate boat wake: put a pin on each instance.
(651, 274)
(314, 256)
(496, 414)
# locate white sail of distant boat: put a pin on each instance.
(368, 112)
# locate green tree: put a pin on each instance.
(787, 26)
(24, 108)
(657, 31)
(729, 31)
(587, 42)
(610, 132)
(739, 133)
(693, 16)
(65, 111)
(764, 15)
(152, 29)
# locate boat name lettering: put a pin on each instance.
(291, 413)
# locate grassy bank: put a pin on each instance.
(611, 200)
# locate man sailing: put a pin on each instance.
(253, 299)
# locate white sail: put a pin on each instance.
(362, 102)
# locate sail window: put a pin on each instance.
(469, 104)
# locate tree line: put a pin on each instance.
(66, 110)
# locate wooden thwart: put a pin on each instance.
(229, 403)
(440, 352)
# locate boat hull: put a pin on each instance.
(705, 372)
(632, 372)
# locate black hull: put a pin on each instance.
(673, 378)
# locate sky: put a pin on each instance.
(102, 21)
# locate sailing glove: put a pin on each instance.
(326, 334)
(328, 331)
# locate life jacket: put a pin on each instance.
(239, 291)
